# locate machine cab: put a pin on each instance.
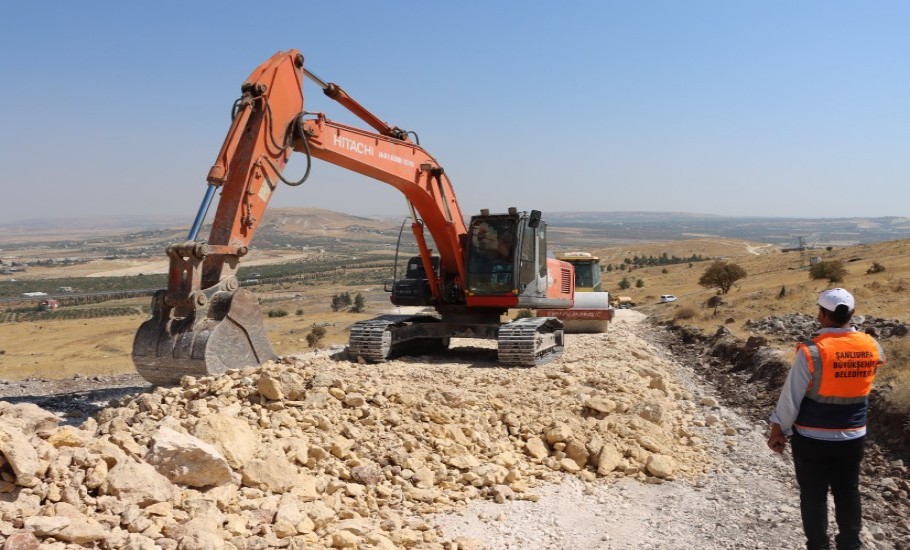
(587, 270)
(507, 263)
(491, 262)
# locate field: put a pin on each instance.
(777, 283)
(97, 338)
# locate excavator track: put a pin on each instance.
(371, 340)
(530, 341)
(376, 340)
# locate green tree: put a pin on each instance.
(639, 283)
(721, 275)
(624, 283)
(341, 301)
(359, 303)
(833, 270)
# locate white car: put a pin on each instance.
(667, 298)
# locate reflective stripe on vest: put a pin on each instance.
(842, 367)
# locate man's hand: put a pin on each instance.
(777, 441)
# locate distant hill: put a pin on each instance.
(620, 227)
(284, 227)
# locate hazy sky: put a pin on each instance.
(765, 108)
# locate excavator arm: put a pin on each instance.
(204, 322)
(406, 167)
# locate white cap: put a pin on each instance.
(834, 297)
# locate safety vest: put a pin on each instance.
(842, 368)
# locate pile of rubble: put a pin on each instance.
(321, 452)
(800, 326)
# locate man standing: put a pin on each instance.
(824, 405)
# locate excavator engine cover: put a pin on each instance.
(224, 332)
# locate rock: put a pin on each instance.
(358, 526)
(609, 460)
(22, 540)
(202, 540)
(709, 402)
(78, 530)
(354, 400)
(569, 465)
(502, 493)
(490, 474)
(273, 472)
(467, 543)
(187, 460)
(305, 489)
(136, 541)
(21, 455)
(270, 388)
(601, 405)
(345, 539)
(464, 462)
(577, 451)
(138, 483)
(652, 412)
(341, 446)
(234, 438)
(29, 418)
(293, 385)
(559, 433)
(536, 448)
(366, 474)
(661, 466)
(68, 436)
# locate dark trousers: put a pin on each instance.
(821, 465)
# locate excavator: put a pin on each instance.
(205, 323)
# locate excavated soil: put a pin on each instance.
(619, 444)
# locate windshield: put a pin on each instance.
(491, 256)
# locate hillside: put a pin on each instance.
(769, 270)
(288, 236)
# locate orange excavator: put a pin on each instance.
(205, 323)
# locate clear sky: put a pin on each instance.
(741, 108)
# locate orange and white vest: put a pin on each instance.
(842, 368)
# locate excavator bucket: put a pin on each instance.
(224, 331)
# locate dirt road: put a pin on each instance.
(748, 499)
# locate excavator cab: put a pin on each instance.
(507, 263)
(491, 262)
